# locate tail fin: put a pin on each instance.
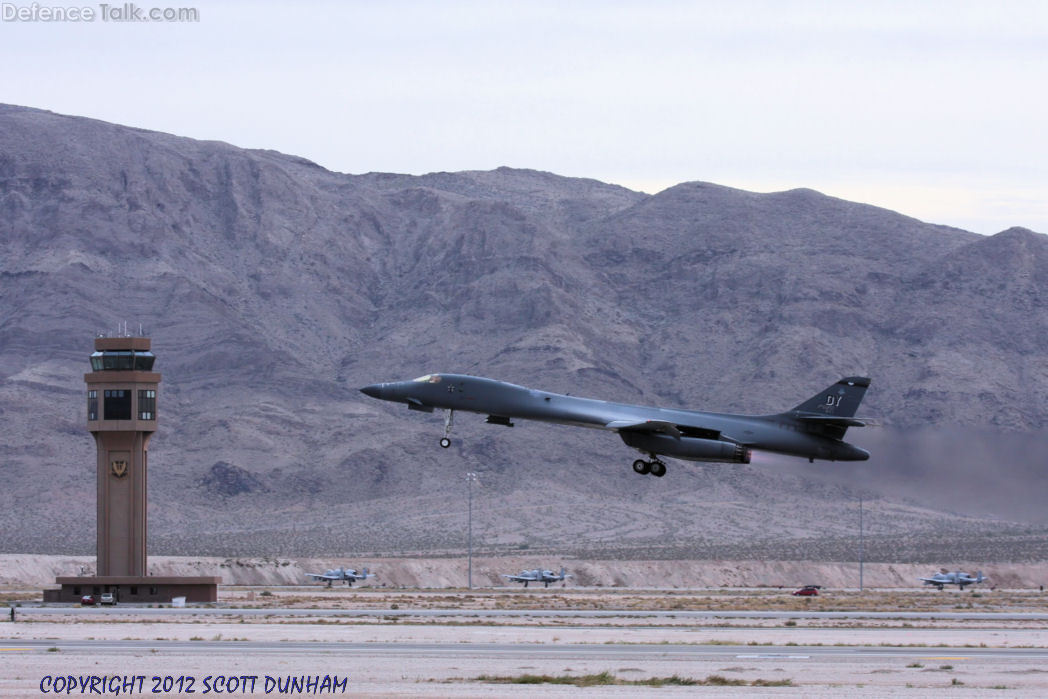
(839, 400)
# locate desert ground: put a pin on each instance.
(656, 636)
(451, 571)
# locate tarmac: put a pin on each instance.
(439, 648)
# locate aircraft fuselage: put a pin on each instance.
(683, 434)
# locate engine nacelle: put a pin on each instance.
(689, 448)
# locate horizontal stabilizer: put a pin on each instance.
(831, 420)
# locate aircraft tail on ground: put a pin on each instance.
(841, 400)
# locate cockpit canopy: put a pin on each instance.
(428, 378)
(123, 360)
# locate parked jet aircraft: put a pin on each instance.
(349, 575)
(813, 430)
(942, 578)
(542, 576)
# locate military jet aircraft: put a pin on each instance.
(349, 575)
(542, 576)
(943, 578)
(813, 430)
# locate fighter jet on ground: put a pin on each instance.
(349, 575)
(943, 578)
(813, 430)
(542, 576)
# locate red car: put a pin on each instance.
(807, 591)
(87, 601)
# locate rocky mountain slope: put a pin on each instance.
(273, 288)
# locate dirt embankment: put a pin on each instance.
(18, 570)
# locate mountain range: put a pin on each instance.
(273, 288)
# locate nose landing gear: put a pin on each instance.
(449, 418)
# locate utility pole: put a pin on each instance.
(470, 477)
(860, 544)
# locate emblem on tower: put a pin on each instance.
(119, 468)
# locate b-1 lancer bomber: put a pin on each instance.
(943, 578)
(543, 576)
(812, 430)
(348, 575)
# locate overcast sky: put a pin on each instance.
(935, 109)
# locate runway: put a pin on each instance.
(596, 651)
(462, 652)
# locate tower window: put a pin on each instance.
(144, 360)
(118, 360)
(117, 404)
(146, 404)
(122, 360)
(92, 405)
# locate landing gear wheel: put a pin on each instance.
(658, 469)
(642, 467)
(449, 418)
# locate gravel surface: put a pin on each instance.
(416, 656)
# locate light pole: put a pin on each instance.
(470, 477)
(860, 544)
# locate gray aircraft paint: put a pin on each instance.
(813, 430)
(538, 576)
(347, 575)
(943, 578)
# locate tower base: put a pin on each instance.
(157, 589)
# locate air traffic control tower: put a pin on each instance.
(122, 417)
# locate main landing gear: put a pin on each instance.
(449, 417)
(655, 467)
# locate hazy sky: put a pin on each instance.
(935, 109)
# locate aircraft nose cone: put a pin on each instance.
(374, 390)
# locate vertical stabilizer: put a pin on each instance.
(839, 400)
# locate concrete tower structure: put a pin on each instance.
(122, 417)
